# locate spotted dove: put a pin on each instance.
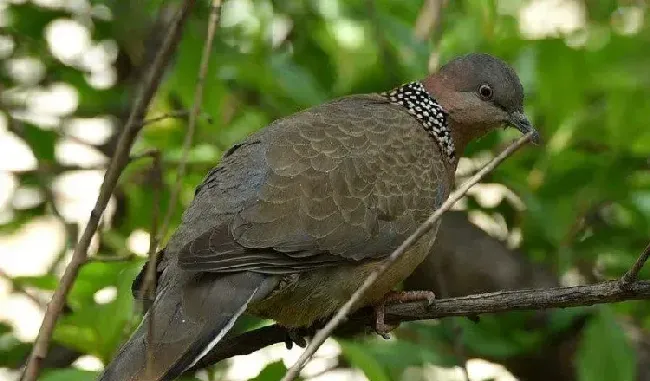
(297, 215)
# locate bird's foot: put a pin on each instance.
(381, 327)
(297, 336)
(394, 297)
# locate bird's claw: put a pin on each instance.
(393, 297)
(294, 335)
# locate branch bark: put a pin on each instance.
(119, 161)
(534, 299)
(469, 306)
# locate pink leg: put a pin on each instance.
(394, 297)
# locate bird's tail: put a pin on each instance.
(189, 318)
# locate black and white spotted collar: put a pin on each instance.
(415, 98)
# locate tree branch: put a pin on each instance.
(633, 273)
(341, 314)
(471, 305)
(193, 116)
(534, 299)
(148, 290)
(117, 165)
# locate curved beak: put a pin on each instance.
(519, 121)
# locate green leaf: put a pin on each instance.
(360, 358)
(398, 355)
(501, 336)
(605, 353)
(272, 372)
(43, 282)
(562, 319)
(98, 328)
(69, 375)
(12, 350)
(20, 218)
(39, 140)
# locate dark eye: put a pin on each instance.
(485, 91)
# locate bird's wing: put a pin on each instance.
(348, 180)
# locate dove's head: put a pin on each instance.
(479, 93)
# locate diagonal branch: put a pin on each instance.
(341, 314)
(118, 162)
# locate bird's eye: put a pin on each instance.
(485, 91)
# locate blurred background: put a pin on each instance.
(575, 210)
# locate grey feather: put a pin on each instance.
(183, 326)
(327, 185)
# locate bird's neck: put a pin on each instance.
(460, 134)
(431, 115)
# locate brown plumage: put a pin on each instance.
(297, 215)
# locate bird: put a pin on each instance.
(295, 216)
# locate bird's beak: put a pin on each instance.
(519, 121)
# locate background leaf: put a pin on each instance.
(605, 352)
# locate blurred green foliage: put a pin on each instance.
(585, 191)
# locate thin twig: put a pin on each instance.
(150, 153)
(118, 162)
(428, 25)
(112, 258)
(179, 114)
(324, 333)
(148, 290)
(428, 19)
(467, 306)
(191, 125)
(633, 273)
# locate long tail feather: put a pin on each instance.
(190, 317)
